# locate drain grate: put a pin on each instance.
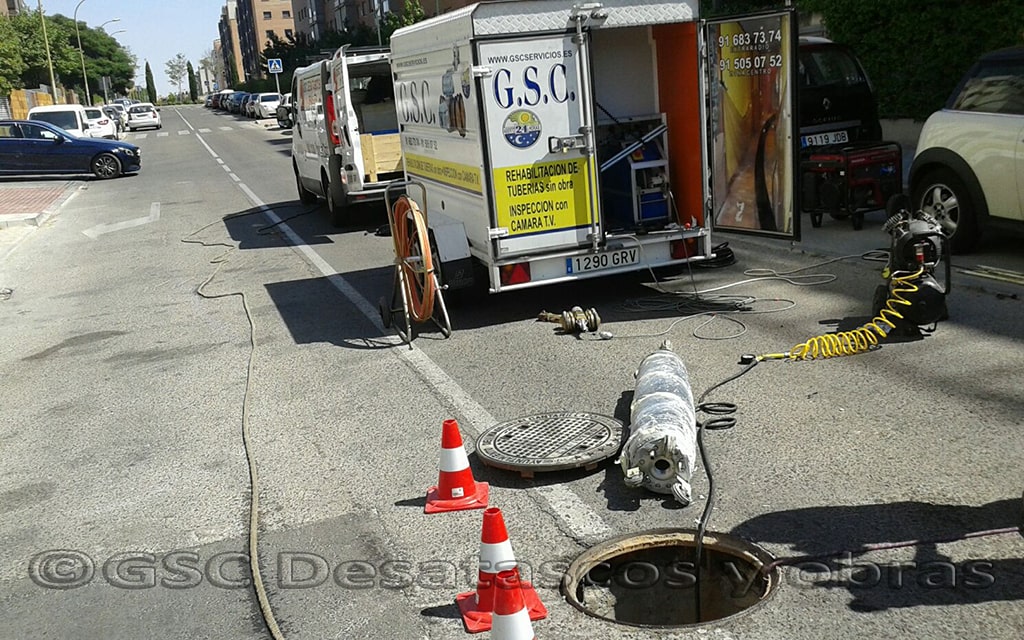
(551, 442)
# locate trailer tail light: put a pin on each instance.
(683, 249)
(330, 120)
(515, 273)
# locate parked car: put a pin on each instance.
(101, 125)
(265, 105)
(30, 147)
(837, 101)
(70, 117)
(968, 170)
(284, 112)
(243, 106)
(120, 113)
(144, 115)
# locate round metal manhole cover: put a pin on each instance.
(550, 442)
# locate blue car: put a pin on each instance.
(32, 147)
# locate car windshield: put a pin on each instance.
(93, 114)
(62, 119)
(829, 67)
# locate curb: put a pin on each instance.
(36, 219)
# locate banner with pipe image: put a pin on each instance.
(752, 154)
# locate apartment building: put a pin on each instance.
(230, 44)
(258, 21)
(12, 7)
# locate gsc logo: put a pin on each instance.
(532, 88)
(415, 104)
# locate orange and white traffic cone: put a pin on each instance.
(511, 620)
(456, 489)
(496, 556)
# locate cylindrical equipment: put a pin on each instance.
(661, 451)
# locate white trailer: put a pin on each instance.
(559, 140)
(345, 145)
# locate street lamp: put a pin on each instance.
(81, 54)
(108, 22)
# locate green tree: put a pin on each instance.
(12, 66)
(31, 45)
(150, 85)
(411, 13)
(177, 69)
(193, 92)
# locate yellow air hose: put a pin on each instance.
(861, 339)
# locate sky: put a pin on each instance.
(155, 30)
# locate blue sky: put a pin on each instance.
(155, 30)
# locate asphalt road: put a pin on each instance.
(125, 486)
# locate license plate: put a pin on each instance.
(819, 139)
(604, 260)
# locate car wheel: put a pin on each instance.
(305, 195)
(943, 196)
(106, 166)
(335, 203)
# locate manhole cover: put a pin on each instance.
(550, 442)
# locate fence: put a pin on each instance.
(21, 100)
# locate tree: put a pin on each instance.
(193, 93)
(11, 63)
(214, 66)
(412, 13)
(32, 48)
(150, 85)
(177, 69)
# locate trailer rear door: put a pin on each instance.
(535, 99)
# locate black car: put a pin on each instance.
(32, 147)
(837, 103)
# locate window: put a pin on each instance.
(288, 33)
(997, 87)
(270, 34)
(286, 14)
(9, 131)
(267, 15)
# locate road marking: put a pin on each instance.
(140, 136)
(574, 516)
(163, 134)
(184, 132)
(100, 229)
(226, 128)
(204, 130)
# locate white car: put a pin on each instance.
(101, 125)
(143, 115)
(968, 171)
(265, 105)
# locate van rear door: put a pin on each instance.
(542, 175)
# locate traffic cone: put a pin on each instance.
(456, 490)
(496, 556)
(511, 620)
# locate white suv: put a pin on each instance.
(969, 165)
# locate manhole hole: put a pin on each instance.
(649, 579)
(550, 442)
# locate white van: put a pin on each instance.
(69, 117)
(345, 145)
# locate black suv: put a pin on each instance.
(837, 103)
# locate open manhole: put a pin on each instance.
(550, 442)
(649, 579)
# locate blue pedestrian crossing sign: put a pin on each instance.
(274, 65)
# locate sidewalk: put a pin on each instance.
(31, 202)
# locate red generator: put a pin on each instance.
(847, 180)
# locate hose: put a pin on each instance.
(412, 248)
(861, 339)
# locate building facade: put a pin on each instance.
(230, 46)
(258, 22)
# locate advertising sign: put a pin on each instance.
(752, 146)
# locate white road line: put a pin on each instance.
(226, 128)
(163, 134)
(140, 136)
(184, 132)
(574, 515)
(100, 229)
(204, 130)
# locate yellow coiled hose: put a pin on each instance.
(861, 339)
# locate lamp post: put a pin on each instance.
(105, 80)
(81, 54)
(108, 22)
(49, 60)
